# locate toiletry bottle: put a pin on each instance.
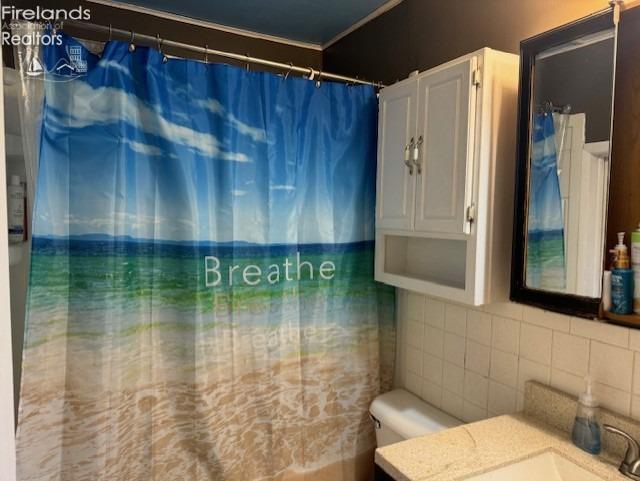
(15, 207)
(586, 430)
(621, 280)
(635, 265)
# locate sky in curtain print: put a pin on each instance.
(187, 151)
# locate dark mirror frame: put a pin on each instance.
(565, 303)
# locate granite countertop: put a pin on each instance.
(475, 448)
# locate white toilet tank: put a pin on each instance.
(400, 415)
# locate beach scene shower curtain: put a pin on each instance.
(545, 226)
(201, 303)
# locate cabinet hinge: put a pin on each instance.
(476, 77)
(471, 213)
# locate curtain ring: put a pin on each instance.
(206, 53)
(132, 46)
(312, 73)
(318, 79)
(246, 66)
(288, 71)
(160, 40)
(110, 32)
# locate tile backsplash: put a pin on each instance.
(473, 362)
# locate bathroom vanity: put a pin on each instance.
(534, 445)
(498, 449)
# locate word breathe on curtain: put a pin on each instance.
(252, 274)
(202, 302)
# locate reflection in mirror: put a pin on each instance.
(569, 165)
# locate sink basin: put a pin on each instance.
(548, 466)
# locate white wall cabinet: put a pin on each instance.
(446, 158)
(446, 103)
(397, 130)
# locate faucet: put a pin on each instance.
(630, 465)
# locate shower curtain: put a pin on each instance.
(545, 226)
(201, 303)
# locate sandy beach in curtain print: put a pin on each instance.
(165, 381)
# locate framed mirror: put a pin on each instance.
(562, 175)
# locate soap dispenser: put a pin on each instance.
(586, 430)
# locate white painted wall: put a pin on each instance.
(19, 253)
(7, 439)
(584, 180)
(473, 362)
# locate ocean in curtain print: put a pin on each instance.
(545, 260)
(545, 249)
(156, 180)
(200, 382)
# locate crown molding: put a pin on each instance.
(376, 13)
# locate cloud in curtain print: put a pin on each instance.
(178, 152)
(142, 148)
(107, 105)
(213, 106)
(116, 66)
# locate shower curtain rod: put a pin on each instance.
(548, 107)
(133, 37)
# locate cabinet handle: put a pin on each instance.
(407, 155)
(416, 155)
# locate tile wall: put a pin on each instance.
(473, 362)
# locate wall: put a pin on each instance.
(582, 78)
(420, 35)
(624, 199)
(19, 269)
(379, 50)
(473, 362)
(7, 444)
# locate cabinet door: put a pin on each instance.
(396, 173)
(446, 103)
